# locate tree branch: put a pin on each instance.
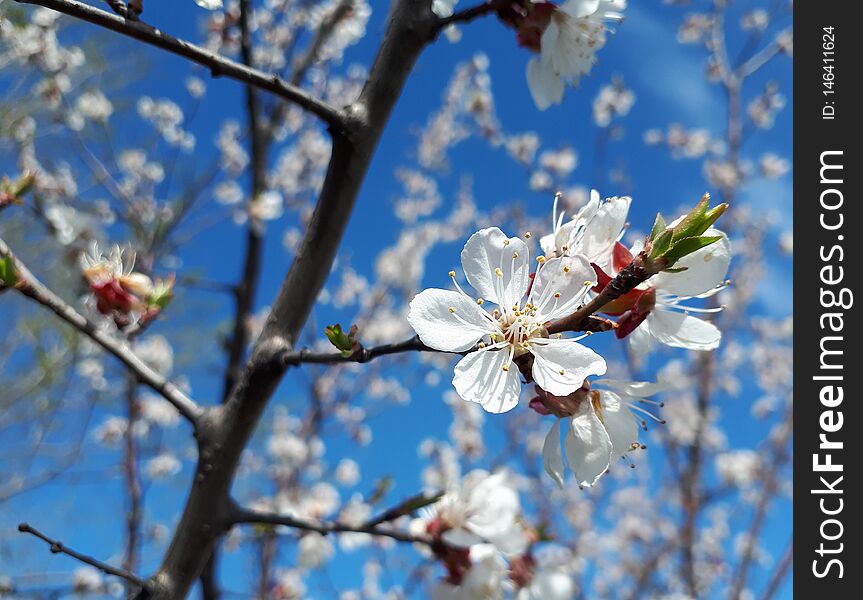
(34, 289)
(469, 14)
(363, 355)
(246, 516)
(57, 547)
(219, 66)
(226, 429)
(624, 282)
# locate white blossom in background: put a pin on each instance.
(162, 466)
(483, 581)
(575, 31)
(498, 268)
(93, 105)
(484, 508)
(347, 472)
(158, 411)
(86, 580)
(156, 351)
(315, 550)
(613, 100)
(772, 166)
(167, 117)
(602, 429)
(443, 8)
(209, 4)
(738, 467)
(548, 584)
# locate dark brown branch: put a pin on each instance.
(626, 280)
(247, 286)
(469, 14)
(362, 355)
(57, 547)
(242, 516)
(34, 289)
(219, 66)
(226, 429)
(132, 477)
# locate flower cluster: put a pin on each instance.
(120, 292)
(567, 38)
(479, 535)
(521, 337)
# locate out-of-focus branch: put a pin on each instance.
(324, 527)
(762, 57)
(771, 485)
(57, 547)
(34, 289)
(324, 33)
(219, 66)
(779, 573)
(362, 355)
(474, 12)
(247, 286)
(133, 480)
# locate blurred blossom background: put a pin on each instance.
(139, 147)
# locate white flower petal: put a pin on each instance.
(442, 329)
(567, 276)
(551, 584)
(546, 87)
(479, 377)
(570, 45)
(603, 230)
(587, 446)
(580, 8)
(461, 538)
(706, 269)
(640, 340)
(633, 389)
(551, 356)
(488, 250)
(619, 422)
(551, 454)
(547, 244)
(683, 331)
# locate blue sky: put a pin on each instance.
(668, 81)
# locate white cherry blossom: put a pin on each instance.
(591, 232)
(604, 428)
(483, 509)
(669, 321)
(498, 269)
(576, 31)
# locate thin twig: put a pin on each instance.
(324, 527)
(474, 12)
(57, 547)
(219, 66)
(779, 574)
(34, 289)
(362, 355)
